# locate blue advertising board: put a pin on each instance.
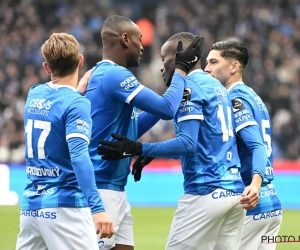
(158, 187)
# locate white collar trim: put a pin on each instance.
(57, 86)
(106, 60)
(194, 71)
(233, 85)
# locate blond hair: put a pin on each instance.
(61, 53)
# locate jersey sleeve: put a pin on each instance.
(165, 106)
(191, 104)
(183, 144)
(78, 120)
(84, 171)
(243, 114)
(121, 84)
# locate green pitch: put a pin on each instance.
(151, 226)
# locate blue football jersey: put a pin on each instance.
(52, 115)
(110, 90)
(216, 163)
(250, 110)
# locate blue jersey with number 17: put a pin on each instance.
(249, 110)
(216, 163)
(53, 115)
(110, 90)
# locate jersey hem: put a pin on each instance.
(52, 205)
(110, 186)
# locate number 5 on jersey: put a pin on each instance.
(265, 125)
(46, 128)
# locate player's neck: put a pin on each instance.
(70, 80)
(197, 66)
(116, 58)
(232, 80)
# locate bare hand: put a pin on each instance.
(104, 225)
(250, 197)
(83, 83)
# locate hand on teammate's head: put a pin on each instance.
(188, 58)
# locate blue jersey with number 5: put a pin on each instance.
(216, 163)
(52, 115)
(249, 110)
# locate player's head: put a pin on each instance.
(226, 59)
(61, 54)
(122, 36)
(168, 53)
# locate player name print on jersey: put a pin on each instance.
(33, 170)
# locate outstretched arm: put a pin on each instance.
(184, 143)
(122, 85)
(164, 106)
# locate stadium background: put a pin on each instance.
(270, 29)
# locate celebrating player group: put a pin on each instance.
(80, 139)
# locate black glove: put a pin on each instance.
(138, 166)
(120, 149)
(187, 59)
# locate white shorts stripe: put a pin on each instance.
(78, 135)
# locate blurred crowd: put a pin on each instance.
(270, 29)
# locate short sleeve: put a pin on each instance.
(243, 115)
(191, 104)
(121, 83)
(78, 120)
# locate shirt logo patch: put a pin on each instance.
(237, 104)
(186, 94)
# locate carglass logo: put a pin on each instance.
(102, 245)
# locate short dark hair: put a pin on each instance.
(185, 37)
(232, 50)
(116, 22)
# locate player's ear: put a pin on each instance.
(81, 60)
(125, 40)
(235, 65)
(47, 68)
